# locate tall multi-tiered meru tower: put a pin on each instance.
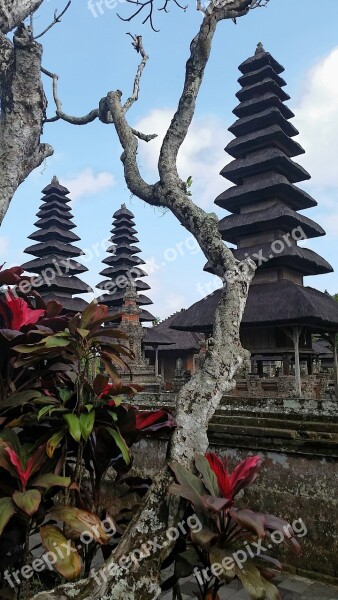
(56, 258)
(124, 266)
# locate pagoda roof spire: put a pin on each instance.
(56, 257)
(123, 268)
(265, 200)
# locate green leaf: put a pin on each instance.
(44, 410)
(217, 556)
(29, 348)
(49, 480)
(271, 591)
(252, 581)
(68, 562)
(54, 441)
(65, 394)
(73, 426)
(113, 415)
(208, 476)
(80, 521)
(86, 424)
(83, 332)
(19, 398)
(28, 502)
(191, 487)
(7, 510)
(121, 444)
(53, 341)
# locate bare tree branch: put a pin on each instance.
(60, 114)
(57, 19)
(137, 43)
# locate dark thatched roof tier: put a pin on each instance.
(272, 136)
(258, 61)
(260, 88)
(256, 105)
(54, 187)
(271, 185)
(52, 261)
(54, 233)
(275, 216)
(72, 285)
(156, 338)
(69, 304)
(265, 72)
(281, 303)
(120, 286)
(182, 340)
(268, 159)
(299, 259)
(123, 270)
(47, 213)
(124, 237)
(54, 221)
(53, 247)
(124, 222)
(263, 120)
(123, 259)
(116, 299)
(123, 212)
(55, 265)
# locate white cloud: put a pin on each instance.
(317, 121)
(202, 155)
(88, 183)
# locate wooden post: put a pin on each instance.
(156, 361)
(295, 336)
(333, 342)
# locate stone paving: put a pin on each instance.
(291, 588)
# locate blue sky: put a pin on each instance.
(93, 55)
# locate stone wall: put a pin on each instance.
(298, 441)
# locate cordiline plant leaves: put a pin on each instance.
(191, 487)
(248, 519)
(7, 510)
(208, 476)
(74, 427)
(28, 501)
(87, 423)
(68, 562)
(49, 480)
(54, 441)
(81, 522)
(121, 444)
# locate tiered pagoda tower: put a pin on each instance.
(281, 314)
(265, 223)
(124, 266)
(55, 261)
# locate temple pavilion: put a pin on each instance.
(124, 266)
(55, 262)
(264, 223)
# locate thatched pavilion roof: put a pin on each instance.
(271, 304)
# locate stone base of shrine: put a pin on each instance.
(298, 442)
(313, 386)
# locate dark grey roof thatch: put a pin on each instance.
(265, 86)
(255, 105)
(182, 340)
(154, 337)
(259, 60)
(54, 262)
(53, 246)
(267, 159)
(275, 216)
(280, 303)
(262, 120)
(271, 185)
(273, 136)
(54, 233)
(264, 72)
(123, 212)
(55, 187)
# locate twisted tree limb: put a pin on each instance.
(200, 397)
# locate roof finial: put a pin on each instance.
(55, 180)
(260, 48)
(123, 205)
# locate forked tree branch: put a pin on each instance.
(57, 19)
